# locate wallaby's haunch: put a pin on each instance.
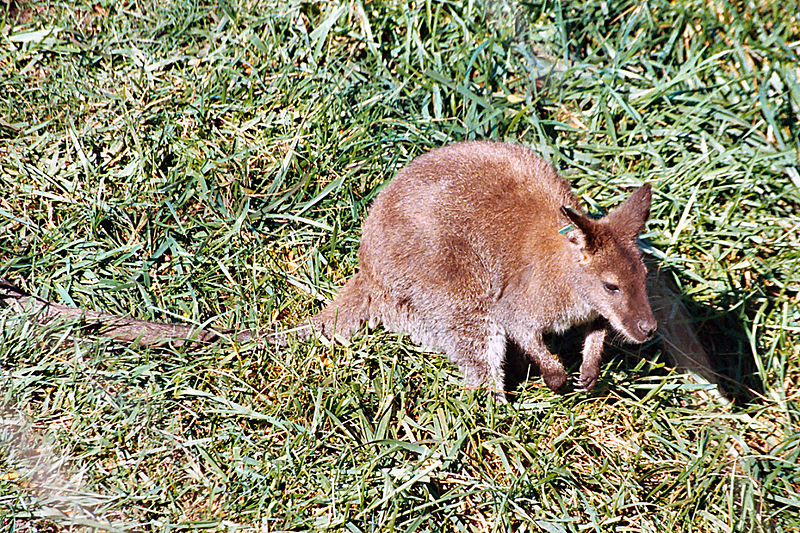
(479, 243)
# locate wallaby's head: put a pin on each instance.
(609, 269)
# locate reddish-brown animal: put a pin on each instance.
(466, 249)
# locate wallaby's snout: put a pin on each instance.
(647, 327)
(640, 327)
(640, 324)
(633, 319)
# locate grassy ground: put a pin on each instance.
(212, 163)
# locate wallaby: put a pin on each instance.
(480, 243)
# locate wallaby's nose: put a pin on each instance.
(647, 327)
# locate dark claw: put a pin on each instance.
(586, 383)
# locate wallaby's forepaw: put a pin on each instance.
(556, 381)
(587, 381)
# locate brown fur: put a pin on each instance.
(462, 251)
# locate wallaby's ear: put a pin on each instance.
(630, 217)
(583, 233)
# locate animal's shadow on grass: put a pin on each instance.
(709, 339)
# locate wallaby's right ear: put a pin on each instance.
(630, 217)
(582, 235)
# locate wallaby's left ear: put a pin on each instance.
(629, 218)
(583, 235)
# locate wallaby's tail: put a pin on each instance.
(347, 313)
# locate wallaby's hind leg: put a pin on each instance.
(347, 313)
(479, 351)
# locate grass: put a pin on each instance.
(212, 163)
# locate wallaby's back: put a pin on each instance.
(475, 209)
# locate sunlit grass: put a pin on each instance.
(212, 164)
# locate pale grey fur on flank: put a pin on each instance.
(463, 251)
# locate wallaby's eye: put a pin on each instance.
(610, 287)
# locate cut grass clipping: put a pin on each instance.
(210, 165)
